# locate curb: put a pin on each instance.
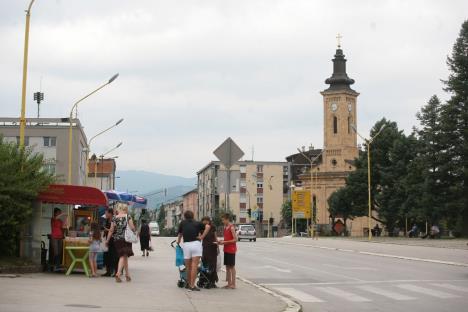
(291, 306)
(460, 264)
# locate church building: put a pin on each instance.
(332, 164)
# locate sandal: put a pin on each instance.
(128, 278)
(117, 278)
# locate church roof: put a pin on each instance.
(339, 80)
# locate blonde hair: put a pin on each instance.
(122, 207)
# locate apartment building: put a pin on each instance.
(49, 136)
(173, 212)
(258, 187)
(101, 173)
(190, 202)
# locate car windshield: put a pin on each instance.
(247, 228)
(153, 224)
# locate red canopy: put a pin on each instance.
(73, 195)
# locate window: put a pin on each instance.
(259, 200)
(259, 184)
(243, 198)
(242, 169)
(334, 162)
(260, 168)
(285, 170)
(242, 183)
(26, 140)
(50, 141)
(335, 125)
(49, 168)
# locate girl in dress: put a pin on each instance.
(94, 247)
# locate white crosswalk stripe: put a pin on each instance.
(386, 293)
(343, 294)
(427, 291)
(299, 295)
(452, 287)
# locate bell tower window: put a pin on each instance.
(335, 124)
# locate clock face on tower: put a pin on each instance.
(334, 107)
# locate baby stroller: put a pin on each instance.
(205, 277)
(180, 264)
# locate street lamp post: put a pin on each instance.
(25, 76)
(368, 143)
(292, 187)
(89, 146)
(312, 162)
(70, 136)
(102, 159)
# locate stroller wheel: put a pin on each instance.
(180, 284)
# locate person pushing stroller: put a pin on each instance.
(190, 231)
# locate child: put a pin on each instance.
(94, 247)
(230, 248)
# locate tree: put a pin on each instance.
(286, 213)
(21, 179)
(454, 128)
(161, 219)
(340, 205)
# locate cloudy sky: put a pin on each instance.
(195, 72)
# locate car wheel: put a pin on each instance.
(255, 240)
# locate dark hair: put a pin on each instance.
(226, 216)
(110, 210)
(57, 210)
(210, 223)
(143, 221)
(96, 231)
(188, 215)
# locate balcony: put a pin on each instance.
(242, 206)
(259, 190)
(259, 175)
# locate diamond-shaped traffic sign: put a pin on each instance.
(228, 153)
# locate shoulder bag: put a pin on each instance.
(130, 236)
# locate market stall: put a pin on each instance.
(80, 207)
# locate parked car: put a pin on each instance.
(154, 228)
(246, 231)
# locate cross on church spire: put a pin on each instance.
(338, 40)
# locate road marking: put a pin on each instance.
(385, 293)
(377, 254)
(298, 295)
(275, 268)
(452, 287)
(312, 269)
(343, 294)
(360, 268)
(427, 291)
(358, 283)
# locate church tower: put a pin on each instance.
(339, 107)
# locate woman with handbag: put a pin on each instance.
(121, 231)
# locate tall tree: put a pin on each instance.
(454, 126)
(21, 179)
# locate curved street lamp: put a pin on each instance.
(102, 159)
(368, 142)
(70, 136)
(89, 146)
(25, 76)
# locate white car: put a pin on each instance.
(154, 228)
(246, 231)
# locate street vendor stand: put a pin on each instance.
(82, 207)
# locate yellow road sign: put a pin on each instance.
(301, 205)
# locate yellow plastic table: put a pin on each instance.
(75, 259)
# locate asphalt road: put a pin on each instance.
(322, 279)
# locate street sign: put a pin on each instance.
(254, 215)
(301, 204)
(228, 153)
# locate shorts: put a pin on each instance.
(229, 259)
(192, 249)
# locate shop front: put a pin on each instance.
(79, 207)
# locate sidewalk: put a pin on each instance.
(443, 252)
(153, 289)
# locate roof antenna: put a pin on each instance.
(39, 97)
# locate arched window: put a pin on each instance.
(335, 125)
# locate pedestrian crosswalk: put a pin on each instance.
(368, 292)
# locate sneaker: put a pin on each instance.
(194, 289)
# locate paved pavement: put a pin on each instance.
(153, 289)
(336, 276)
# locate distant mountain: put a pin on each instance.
(147, 182)
(172, 193)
